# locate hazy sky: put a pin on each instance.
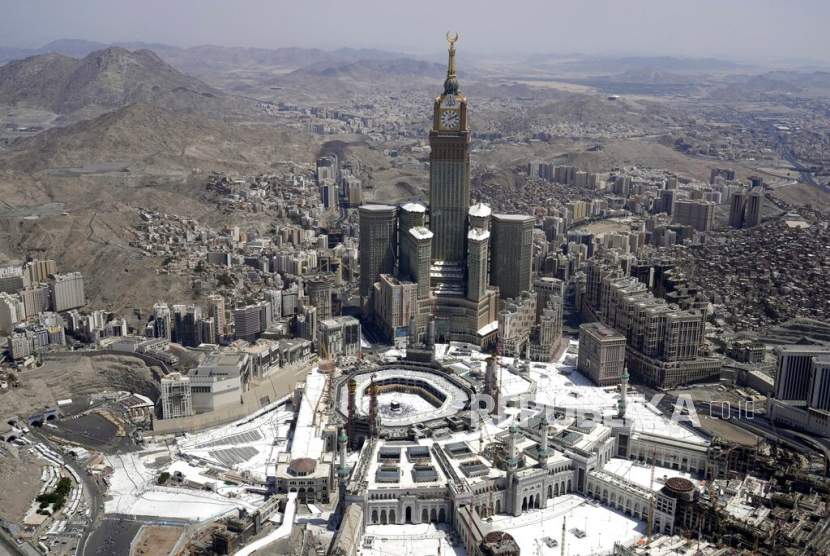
(734, 29)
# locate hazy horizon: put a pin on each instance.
(743, 30)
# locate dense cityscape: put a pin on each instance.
(392, 320)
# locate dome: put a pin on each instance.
(302, 465)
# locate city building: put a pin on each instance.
(176, 396)
(754, 208)
(378, 244)
(67, 291)
(511, 251)
(699, 215)
(516, 321)
(39, 271)
(340, 335)
(601, 353)
(219, 381)
(216, 310)
(396, 301)
(794, 370)
(248, 322)
(12, 312)
(12, 282)
(161, 321)
(319, 296)
(35, 300)
(737, 208)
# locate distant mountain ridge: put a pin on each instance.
(108, 79)
(652, 76)
(209, 57)
(667, 63)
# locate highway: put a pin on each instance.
(806, 175)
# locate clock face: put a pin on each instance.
(449, 119)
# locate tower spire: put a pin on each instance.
(451, 84)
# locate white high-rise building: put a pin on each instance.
(12, 311)
(176, 396)
(67, 291)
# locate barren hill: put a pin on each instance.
(109, 79)
(579, 108)
(360, 75)
(652, 76)
(140, 131)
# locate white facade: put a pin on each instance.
(176, 396)
(12, 311)
(219, 381)
(67, 291)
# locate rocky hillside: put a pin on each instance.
(142, 132)
(107, 80)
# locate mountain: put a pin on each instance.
(353, 77)
(148, 138)
(373, 69)
(66, 47)
(581, 108)
(651, 76)
(754, 87)
(210, 58)
(668, 63)
(109, 79)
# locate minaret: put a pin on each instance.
(352, 385)
(343, 470)
(373, 407)
(623, 403)
(544, 452)
(512, 463)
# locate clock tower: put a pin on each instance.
(449, 178)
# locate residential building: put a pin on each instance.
(67, 291)
(601, 353)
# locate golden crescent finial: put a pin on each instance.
(452, 41)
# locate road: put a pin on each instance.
(91, 487)
(785, 152)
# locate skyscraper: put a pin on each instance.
(449, 170)
(511, 252)
(161, 321)
(444, 263)
(736, 209)
(477, 253)
(415, 257)
(754, 208)
(67, 291)
(378, 244)
(319, 295)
